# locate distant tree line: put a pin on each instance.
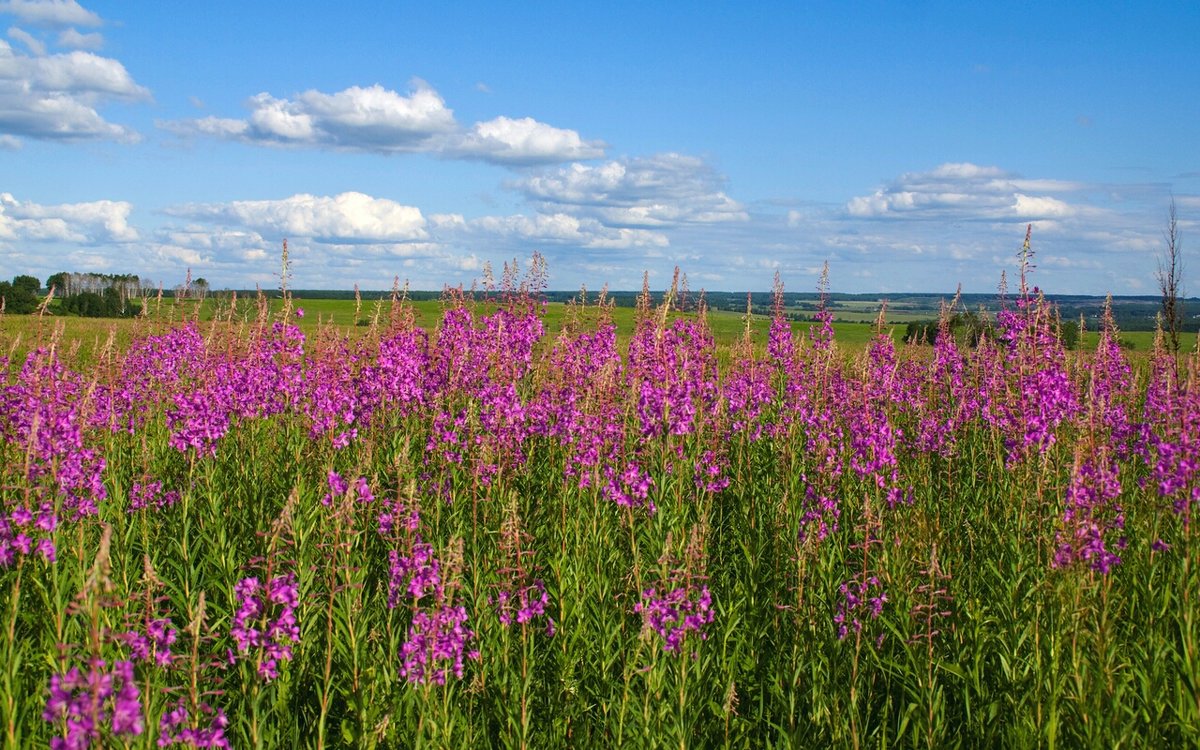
(99, 295)
(107, 304)
(968, 328)
(69, 284)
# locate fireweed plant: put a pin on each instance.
(247, 533)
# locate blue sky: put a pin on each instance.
(907, 144)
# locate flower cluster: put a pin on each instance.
(153, 644)
(438, 637)
(674, 613)
(862, 599)
(338, 487)
(176, 727)
(680, 603)
(1092, 515)
(24, 532)
(521, 598)
(630, 488)
(436, 645)
(265, 626)
(523, 605)
(150, 495)
(98, 706)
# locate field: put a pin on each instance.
(512, 524)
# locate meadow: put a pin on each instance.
(508, 524)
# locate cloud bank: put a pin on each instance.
(378, 120)
(968, 192)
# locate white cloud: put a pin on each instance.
(174, 255)
(524, 141)
(216, 127)
(75, 72)
(54, 97)
(102, 221)
(658, 191)
(375, 115)
(54, 13)
(360, 119)
(379, 120)
(563, 229)
(348, 217)
(1030, 206)
(77, 40)
(965, 192)
(32, 43)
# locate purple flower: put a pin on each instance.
(675, 613)
(94, 706)
(414, 575)
(630, 488)
(265, 626)
(203, 729)
(24, 533)
(862, 599)
(1091, 517)
(522, 605)
(150, 495)
(153, 645)
(436, 645)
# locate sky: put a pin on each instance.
(906, 144)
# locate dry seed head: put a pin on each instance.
(731, 700)
(281, 527)
(452, 562)
(694, 556)
(99, 585)
(197, 622)
(149, 575)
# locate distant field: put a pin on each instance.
(19, 333)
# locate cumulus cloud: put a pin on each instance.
(94, 222)
(348, 217)
(523, 141)
(965, 192)
(364, 119)
(52, 13)
(379, 120)
(658, 191)
(54, 96)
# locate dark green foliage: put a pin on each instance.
(20, 295)
(968, 328)
(106, 305)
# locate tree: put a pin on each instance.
(1169, 276)
(20, 295)
(59, 282)
(29, 283)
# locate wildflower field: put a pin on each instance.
(473, 534)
